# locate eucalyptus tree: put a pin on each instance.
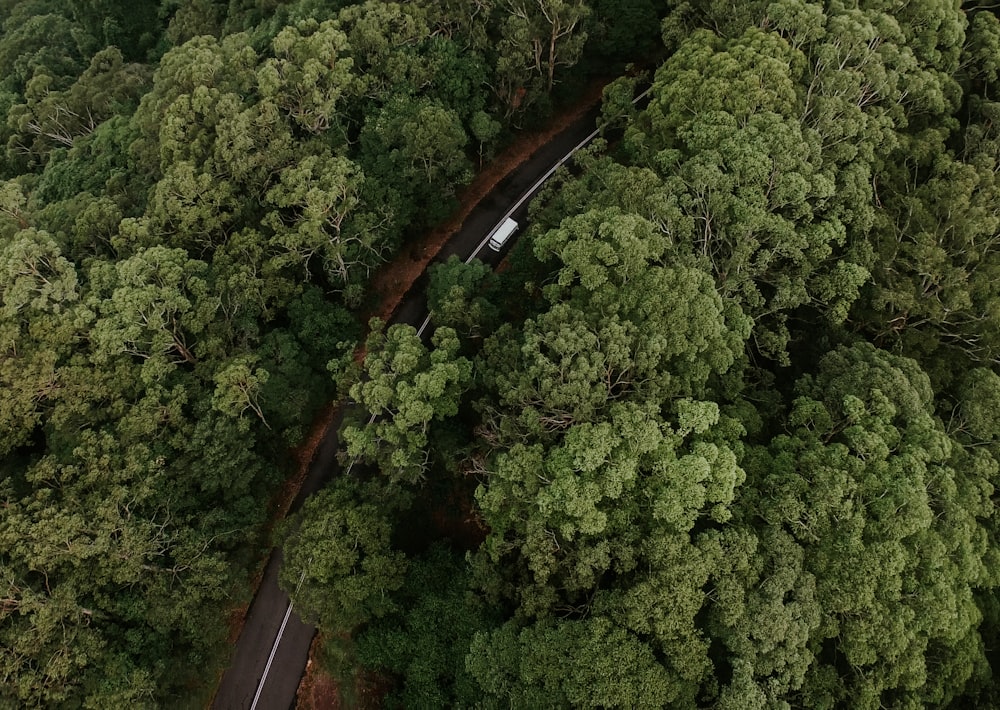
(870, 525)
(406, 387)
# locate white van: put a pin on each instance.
(503, 233)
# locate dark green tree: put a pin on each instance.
(339, 566)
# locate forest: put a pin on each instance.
(722, 432)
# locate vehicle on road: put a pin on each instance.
(504, 232)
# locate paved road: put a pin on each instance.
(270, 655)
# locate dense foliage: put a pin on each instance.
(193, 195)
(724, 433)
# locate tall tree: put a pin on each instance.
(407, 386)
(339, 567)
(866, 486)
(536, 36)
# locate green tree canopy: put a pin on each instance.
(339, 567)
(406, 387)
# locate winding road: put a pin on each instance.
(271, 652)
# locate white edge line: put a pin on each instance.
(288, 613)
(355, 459)
(530, 192)
(274, 647)
(270, 659)
(427, 322)
(524, 198)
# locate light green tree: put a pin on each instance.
(406, 387)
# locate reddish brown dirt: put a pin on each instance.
(317, 691)
(303, 456)
(236, 618)
(457, 522)
(280, 503)
(372, 689)
(394, 278)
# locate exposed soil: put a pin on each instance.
(372, 689)
(236, 618)
(448, 515)
(303, 456)
(317, 691)
(394, 278)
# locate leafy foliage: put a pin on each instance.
(734, 444)
(193, 195)
(350, 570)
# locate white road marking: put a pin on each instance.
(288, 613)
(355, 459)
(527, 196)
(274, 648)
(530, 192)
(270, 659)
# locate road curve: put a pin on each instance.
(271, 652)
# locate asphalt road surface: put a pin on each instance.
(271, 652)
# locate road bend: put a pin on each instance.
(273, 648)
